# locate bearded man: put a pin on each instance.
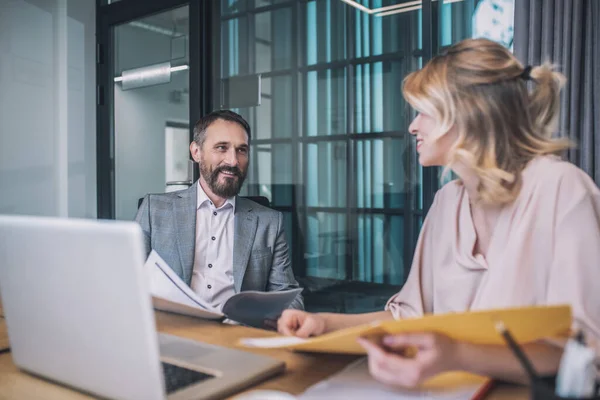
(217, 242)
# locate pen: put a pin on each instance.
(484, 390)
(516, 349)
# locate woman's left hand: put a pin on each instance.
(435, 353)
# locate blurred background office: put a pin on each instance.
(48, 108)
(98, 97)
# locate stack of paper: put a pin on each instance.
(355, 382)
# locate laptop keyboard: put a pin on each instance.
(177, 378)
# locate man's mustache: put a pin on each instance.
(234, 170)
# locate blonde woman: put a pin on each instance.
(519, 227)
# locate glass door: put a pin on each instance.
(150, 107)
(151, 88)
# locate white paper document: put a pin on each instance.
(272, 342)
(170, 293)
(252, 308)
(355, 382)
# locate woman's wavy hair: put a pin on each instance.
(481, 89)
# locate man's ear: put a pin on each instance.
(195, 151)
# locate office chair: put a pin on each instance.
(262, 200)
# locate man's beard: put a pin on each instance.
(231, 187)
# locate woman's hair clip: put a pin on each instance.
(526, 74)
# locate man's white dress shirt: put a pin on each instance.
(212, 276)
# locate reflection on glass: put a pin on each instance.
(266, 3)
(419, 186)
(387, 34)
(326, 174)
(259, 43)
(272, 119)
(274, 115)
(273, 36)
(326, 102)
(262, 125)
(455, 21)
(274, 169)
(326, 31)
(417, 177)
(234, 52)
(379, 105)
(380, 248)
(382, 180)
(326, 241)
(232, 6)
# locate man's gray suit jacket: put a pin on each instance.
(260, 252)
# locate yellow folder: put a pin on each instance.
(526, 324)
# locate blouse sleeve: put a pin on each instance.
(575, 271)
(415, 297)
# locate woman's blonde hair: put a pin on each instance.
(480, 88)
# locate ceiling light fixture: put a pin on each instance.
(367, 10)
(398, 11)
(416, 7)
(393, 9)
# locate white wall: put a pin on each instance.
(82, 125)
(141, 116)
(47, 108)
(140, 122)
(48, 111)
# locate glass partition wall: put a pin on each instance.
(331, 148)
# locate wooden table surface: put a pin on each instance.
(3, 335)
(4, 346)
(302, 369)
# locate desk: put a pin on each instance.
(302, 369)
(3, 331)
(3, 335)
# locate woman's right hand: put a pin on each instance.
(301, 324)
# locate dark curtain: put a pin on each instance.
(567, 34)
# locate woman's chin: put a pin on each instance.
(429, 161)
(424, 161)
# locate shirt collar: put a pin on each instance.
(203, 198)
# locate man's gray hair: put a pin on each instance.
(206, 121)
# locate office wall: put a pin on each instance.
(141, 116)
(47, 108)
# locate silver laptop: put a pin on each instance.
(79, 313)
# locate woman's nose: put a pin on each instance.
(412, 128)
